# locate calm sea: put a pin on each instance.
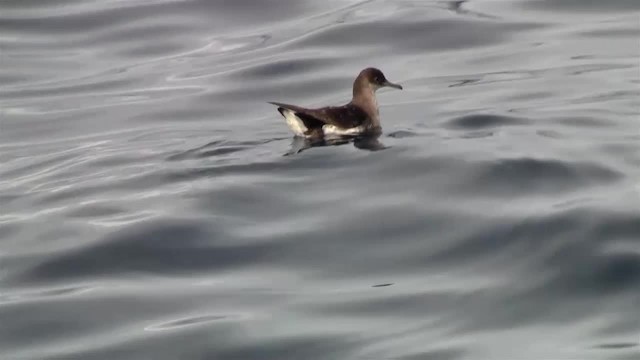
(154, 206)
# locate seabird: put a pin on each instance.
(359, 116)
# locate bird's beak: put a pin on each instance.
(395, 86)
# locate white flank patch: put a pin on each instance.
(295, 124)
(334, 130)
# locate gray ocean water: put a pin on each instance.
(148, 210)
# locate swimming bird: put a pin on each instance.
(359, 116)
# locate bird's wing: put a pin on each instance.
(345, 117)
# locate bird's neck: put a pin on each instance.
(365, 98)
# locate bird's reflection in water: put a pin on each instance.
(370, 142)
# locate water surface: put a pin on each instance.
(149, 212)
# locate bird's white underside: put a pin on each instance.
(297, 126)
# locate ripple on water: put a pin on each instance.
(44, 293)
(231, 44)
(192, 321)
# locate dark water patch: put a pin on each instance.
(540, 175)
(8, 198)
(170, 37)
(8, 80)
(485, 121)
(574, 262)
(578, 266)
(222, 151)
(238, 201)
(382, 285)
(584, 5)
(552, 134)
(312, 86)
(530, 96)
(157, 248)
(153, 31)
(34, 321)
(284, 68)
(89, 22)
(458, 6)
(477, 134)
(613, 33)
(321, 347)
(613, 346)
(618, 226)
(407, 37)
(153, 50)
(8, 230)
(401, 305)
(396, 233)
(608, 274)
(399, 134)
(439, 354)
(511, 238)
(586, 122)
(250, 11)
(205, 152)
